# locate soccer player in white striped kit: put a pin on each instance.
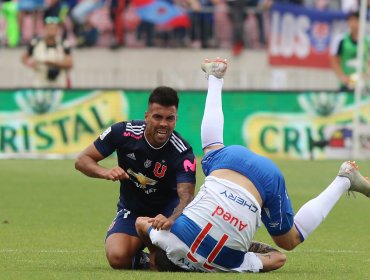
(241, 189)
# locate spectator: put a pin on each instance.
(49, 57)
(323, 4)
(10, 11)
(202, 21)
(83, 9)
(59, 9)
(349, 5)
(87, 35)
(116, 9)
(344, 54)
(237, 15)
(33, 7)
(146, 31)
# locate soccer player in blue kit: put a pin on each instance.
(241, 190)
(156, 170)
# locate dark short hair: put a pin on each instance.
(164, 96)
(353, 14)
(163, 264)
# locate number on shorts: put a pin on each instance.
(127, 212)
(212, 256)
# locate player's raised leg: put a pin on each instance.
(312, 213)
(213, 117)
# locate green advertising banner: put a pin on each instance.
(288, 125)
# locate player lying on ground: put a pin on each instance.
(241, 188)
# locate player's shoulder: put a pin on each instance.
(336, 43)
(136, 127)
(179, 143)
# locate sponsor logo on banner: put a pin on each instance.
(301, 36)
(57, 122)
(320, 36)
(323, 130)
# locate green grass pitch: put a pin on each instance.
(53, 222)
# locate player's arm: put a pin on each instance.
(270, 257)
(27, 58)
(335, 53)
(262, 248)
(67, 61)
(335, 64)
(185, 192)
(87, 163)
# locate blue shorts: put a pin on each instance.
(124, 222)
(277, 212)
(31, 5)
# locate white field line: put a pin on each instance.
(66, 251)
(53, 251)
(331, 251)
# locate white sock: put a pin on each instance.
(312, 213)
(212, 128)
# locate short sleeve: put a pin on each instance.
(107, 142)
(186, 167)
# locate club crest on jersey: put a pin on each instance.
(159, 170)
(147, 163)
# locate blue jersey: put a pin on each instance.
(154, 172)
(277, 213)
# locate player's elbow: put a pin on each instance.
(288, 246)
(280, 260)
(273, 260)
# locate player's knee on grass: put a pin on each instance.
(119, 260)
(119, 253)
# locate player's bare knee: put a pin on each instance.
(119, 261)
(141, 224)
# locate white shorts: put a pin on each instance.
(215, 230)
(177, 252)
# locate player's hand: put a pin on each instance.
(161, 222)
(115, 174)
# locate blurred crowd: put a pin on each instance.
(237, 24)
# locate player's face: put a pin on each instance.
(160, 123)
(51, 30)
(353, 24)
